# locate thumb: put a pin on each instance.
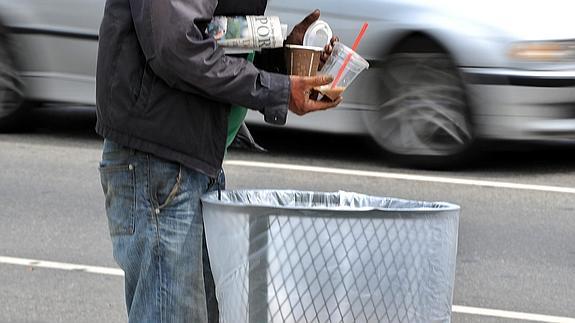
(310, 19)
(319, 80)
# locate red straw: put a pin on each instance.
(348, 57)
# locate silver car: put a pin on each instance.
(447, 72)
(48, 53)
(443, 73)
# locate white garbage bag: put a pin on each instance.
(294, 256)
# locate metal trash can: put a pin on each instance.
(294, 256)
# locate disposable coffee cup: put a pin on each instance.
(302, 60)
(352, 69)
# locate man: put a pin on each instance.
(164, 91)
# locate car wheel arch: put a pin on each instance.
(425, 42)
(12, 117)
(7, 37)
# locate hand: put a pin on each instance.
(296, 36)
(301, 90)
(327, 50)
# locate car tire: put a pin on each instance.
(424, 120)
(12, 107)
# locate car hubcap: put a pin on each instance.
(425, 111)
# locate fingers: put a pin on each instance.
(298, 32)
(328, 49)
(312, 105)
(323, 59)
(303, 98)
(310, 19)
(326, 52)
(307, 83)
(322, 105)
(318, 80)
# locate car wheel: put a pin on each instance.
(11, 104)
(424, 119)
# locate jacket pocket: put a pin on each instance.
(145, 87)
(119, 185)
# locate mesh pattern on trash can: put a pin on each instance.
(340, 257)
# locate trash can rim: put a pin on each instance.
(211, 198)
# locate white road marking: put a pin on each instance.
(399, 176)
(61, 266)
(511, 315)
(118, 272)
(339, 171)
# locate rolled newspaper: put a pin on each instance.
(247, 32)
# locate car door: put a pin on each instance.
(69, 30)
(57, 42)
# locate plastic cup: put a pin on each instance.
(302, 60)
(336, 60)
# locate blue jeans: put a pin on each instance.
(155, 221)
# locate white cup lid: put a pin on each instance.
(318, 34)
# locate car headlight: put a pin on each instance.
(546, 51)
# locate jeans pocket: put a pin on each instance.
(119, 185)
(165, 182)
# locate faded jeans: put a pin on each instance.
(155, 222)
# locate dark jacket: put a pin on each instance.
(164, 88)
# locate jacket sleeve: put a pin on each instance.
(271, 60)
(179, 53)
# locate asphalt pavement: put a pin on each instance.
(516, 253)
